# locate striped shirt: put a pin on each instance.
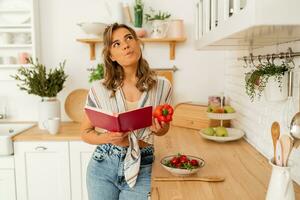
(99, 97)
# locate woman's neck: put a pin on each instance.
(130, 74)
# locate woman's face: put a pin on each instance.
(125, 50)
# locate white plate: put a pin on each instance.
(233, 134)
(221, 116)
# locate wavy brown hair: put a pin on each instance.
(114, 73)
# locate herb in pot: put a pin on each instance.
(156, 15)
(35, 79)
(257, 79)
(97, 73)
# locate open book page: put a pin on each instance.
(136, 119)
(121, 122)
(102, 119)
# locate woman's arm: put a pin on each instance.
(91, 136)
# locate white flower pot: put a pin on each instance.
(159, 28)
(272, 91)
(48, 108)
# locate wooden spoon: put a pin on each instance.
(275, 131)
(286, 148)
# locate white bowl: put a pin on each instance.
(95, 28)
(182, 172)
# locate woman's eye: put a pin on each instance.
(116, 44)
(130, 37)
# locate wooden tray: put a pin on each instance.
(193, 115)
(74, 104)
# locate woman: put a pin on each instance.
(120, 167)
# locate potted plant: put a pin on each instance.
(159, 15)
(138, 13)
(158, 22)
(97, 73)
(265, 78)
(35, 80)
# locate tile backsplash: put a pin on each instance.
(255, 118)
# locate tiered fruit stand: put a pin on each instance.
(233, 133)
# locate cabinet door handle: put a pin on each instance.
(40, 148)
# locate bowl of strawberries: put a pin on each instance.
(182, 165)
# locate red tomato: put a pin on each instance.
(183, 159)
(178, 165)
(194, 162)
(174, 161)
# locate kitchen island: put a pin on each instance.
(245, 170)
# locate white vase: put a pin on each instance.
(280, 185)
(272, 91)
(48, 108)
(159, 28)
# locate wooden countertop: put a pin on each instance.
(67, 131)
(246, 171)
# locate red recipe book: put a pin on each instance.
(121, 122)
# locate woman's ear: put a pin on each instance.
(112, 58)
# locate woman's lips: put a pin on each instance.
(129, 53)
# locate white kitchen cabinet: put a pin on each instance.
(7, 184)
(18, 32)
(80, 154)
(245, 24)
(42, 170)
(7, 178)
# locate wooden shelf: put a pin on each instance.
(172, 43)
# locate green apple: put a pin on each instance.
(229, 109)
(209, 109)
(221, 131)
(209, 131)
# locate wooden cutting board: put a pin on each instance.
(193, 115)
(74, 104)
(168, 74)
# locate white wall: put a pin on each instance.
(200, 73)
(256, 118)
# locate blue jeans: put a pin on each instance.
(105, 174)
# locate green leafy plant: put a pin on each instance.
(97, 73)
(138, 13)
(159, 15)
(257, 79)
(35, 80)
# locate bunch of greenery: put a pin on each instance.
(156, 15)
(257, 79)
(97, 73)
(138, 13)
(35, 79)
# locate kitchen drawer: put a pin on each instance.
(193, 115)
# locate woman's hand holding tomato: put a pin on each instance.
(162, 116)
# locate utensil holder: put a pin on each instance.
(280, 185)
